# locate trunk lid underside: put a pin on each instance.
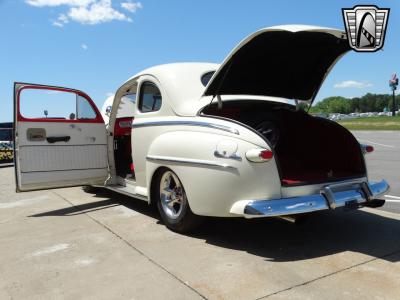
(287, 62)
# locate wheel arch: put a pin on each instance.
(157, 170)
(153, 182)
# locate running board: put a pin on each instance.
(127, 190)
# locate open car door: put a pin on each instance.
(59, 138)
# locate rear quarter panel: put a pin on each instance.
(211, 191)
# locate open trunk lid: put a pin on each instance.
(284, 61)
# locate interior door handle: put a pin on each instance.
(55, 139)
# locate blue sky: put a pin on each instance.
(96, 47)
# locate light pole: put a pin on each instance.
(393, 83)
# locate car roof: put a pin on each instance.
(182, 83)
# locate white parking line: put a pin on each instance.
(374, 143)
(51, 249)
(393, 201)
(394, 197)
(22, 202)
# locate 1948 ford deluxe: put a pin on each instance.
(205, 139)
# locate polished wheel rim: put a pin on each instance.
(172, 195)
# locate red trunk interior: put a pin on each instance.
(122, 148)
(307, 149)
(314, 149)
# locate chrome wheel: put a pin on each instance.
(172, 195)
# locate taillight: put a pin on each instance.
(259, 155)
(367, 148)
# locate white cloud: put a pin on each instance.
(58, 24)
(352, 84)
(131, 6)
(84, 47)
(88, 12)
(41, 3)
(61, 20)
(98, 12)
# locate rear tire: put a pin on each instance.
(173, 204)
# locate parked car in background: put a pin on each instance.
(206, 139)
(6, 144)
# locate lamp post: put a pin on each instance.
(393, 83)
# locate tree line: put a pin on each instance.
(366, 103)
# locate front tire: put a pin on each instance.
(173, 204)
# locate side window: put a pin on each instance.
(206, 78)
(48, 104)
(150, 97)
(83, 109)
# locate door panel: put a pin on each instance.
(58, 145)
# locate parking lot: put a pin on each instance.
(69, 244)
(384, 162)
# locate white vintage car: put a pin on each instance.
(206, 140)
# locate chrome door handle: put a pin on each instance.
(55, 139)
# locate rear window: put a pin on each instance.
(150, 97)
(206, 78)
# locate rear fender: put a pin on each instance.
(213, 182)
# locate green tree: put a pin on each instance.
(367, 103)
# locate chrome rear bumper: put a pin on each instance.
(330, 197)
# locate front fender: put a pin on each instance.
(212, 183)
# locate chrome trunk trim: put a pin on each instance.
(186, 123)
(329, 198)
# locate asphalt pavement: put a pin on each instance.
(384, 162)
(69, 244)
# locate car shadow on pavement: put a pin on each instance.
(322, 234)
(113, 199)
(79, 209)
(6, 165)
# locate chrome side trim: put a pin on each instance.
(188, 162)
(186, 123)
(234, 156)
(327, 199)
